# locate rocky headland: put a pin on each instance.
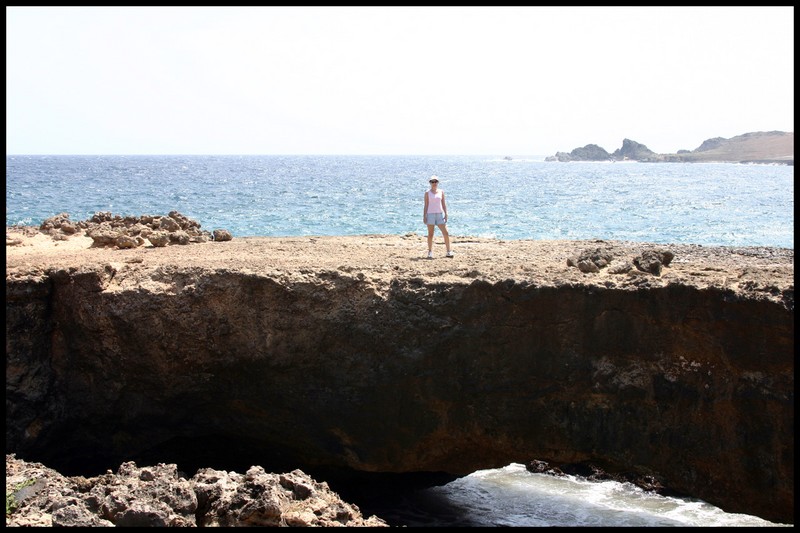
(771, 147)
(674, 363)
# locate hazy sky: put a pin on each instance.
(392, 80)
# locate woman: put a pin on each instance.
(435, 214)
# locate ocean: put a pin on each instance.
(521, 197)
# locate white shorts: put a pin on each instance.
(434, 219)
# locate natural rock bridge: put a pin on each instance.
(379, 367)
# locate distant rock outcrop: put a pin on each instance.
(773, 147)
(631, 150)
(590, 152)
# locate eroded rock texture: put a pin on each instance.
(692, 386)
(161, 496)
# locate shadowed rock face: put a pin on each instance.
(693, 386)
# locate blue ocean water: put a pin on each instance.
(521, 198)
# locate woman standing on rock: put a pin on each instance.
(435, 214)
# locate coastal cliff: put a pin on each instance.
(761, 147)
(357, 353)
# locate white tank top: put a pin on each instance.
(435, 202)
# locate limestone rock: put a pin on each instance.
(222, 235)
(160, 496)
(353, 352)
(109, 230)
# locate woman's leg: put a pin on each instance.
(430, 237)
(443, 229)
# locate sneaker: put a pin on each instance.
(430, 255)
(450, 254)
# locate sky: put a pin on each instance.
(392, 80)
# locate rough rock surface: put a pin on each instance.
(117, 231)
(669, 361)
(160, 496)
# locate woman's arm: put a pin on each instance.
(444, 207)
(425, 209)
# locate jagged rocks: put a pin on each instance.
(222, 235)
(590, 260)
(649, 261)
(126, 232)
(652, 260)
(160, 496)
(593, 472)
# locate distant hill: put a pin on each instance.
(767, 147)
